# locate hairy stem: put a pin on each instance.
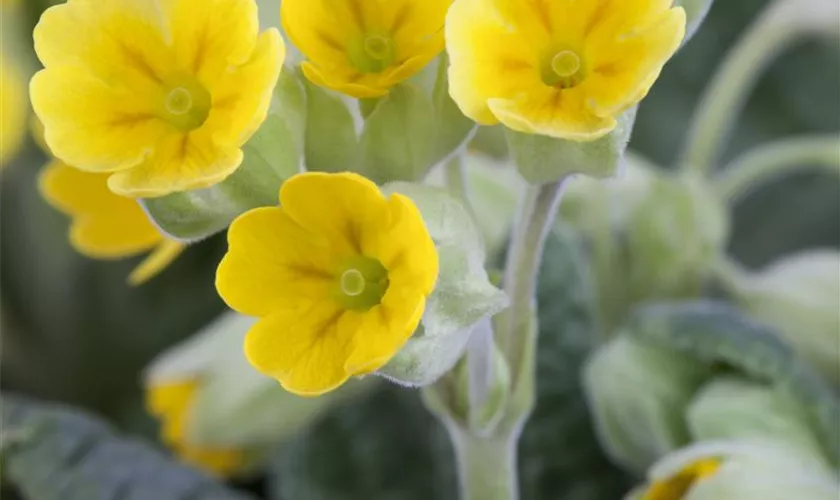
(776, 159)
(523, 260)
(724, 98)
(486, 464)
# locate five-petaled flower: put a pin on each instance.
(338, 275)
(162, 94)
(106, 225)
(561, 68)
(364, 47)
(172, 403)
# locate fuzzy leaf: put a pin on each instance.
(715, 333)
(52, 452)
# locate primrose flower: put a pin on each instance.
(171, 403)
(160, 94)
(677, 486)
(338, 275)
(13, 110)
(364, 47)
(106, 225)
(562, 68)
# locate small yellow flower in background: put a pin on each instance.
(338, 275)
(171, 403)
(561, 68)
(677, 486)
(161, 94)
(13, 110)
(364, 47)
(105, 225)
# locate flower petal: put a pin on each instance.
(317, 30)
(242, 95)
(341, 208)
(165, 253)
(305, 351)
(487, 59)
(122, 42)
(181, 162)
(273, 265)
(212, 35)
(404, 247)
(625, 71)
(554, 113)
(91, 125)
(104, 225)
(385, 329)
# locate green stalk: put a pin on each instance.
(728, 92)
(524, 255)
(486, 465)
(777, 159)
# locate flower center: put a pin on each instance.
(186, 104)
(372, 53)
(563, 69)
(361, 284)
(352, 282)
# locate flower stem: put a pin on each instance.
(486, 464)
(729, 89)
(523, 260)
(777, 159)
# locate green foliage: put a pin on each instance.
(719, 335)
(388, 446)
(54, 453)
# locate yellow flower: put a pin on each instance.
(105, 225)
(162, 94)
(677, 486)
(13, 110)
(364, 47)
(338, 275)
(171, 403)
(561, 68)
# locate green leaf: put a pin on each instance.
(52, 452)
(542, 159)
(695, 13)
(399, 137)
(715, 333)
(388, 446)
(272, 155)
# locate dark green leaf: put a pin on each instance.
(716, 333)
(51, 452)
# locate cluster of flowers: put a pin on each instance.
(141, 100)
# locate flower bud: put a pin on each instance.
(799, 295)
(735, 408)
(271, 155)
(638, 394)
(674, 236)
(651, 235)
(218, 412)
(743, 470)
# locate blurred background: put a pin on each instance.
(74, 332)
